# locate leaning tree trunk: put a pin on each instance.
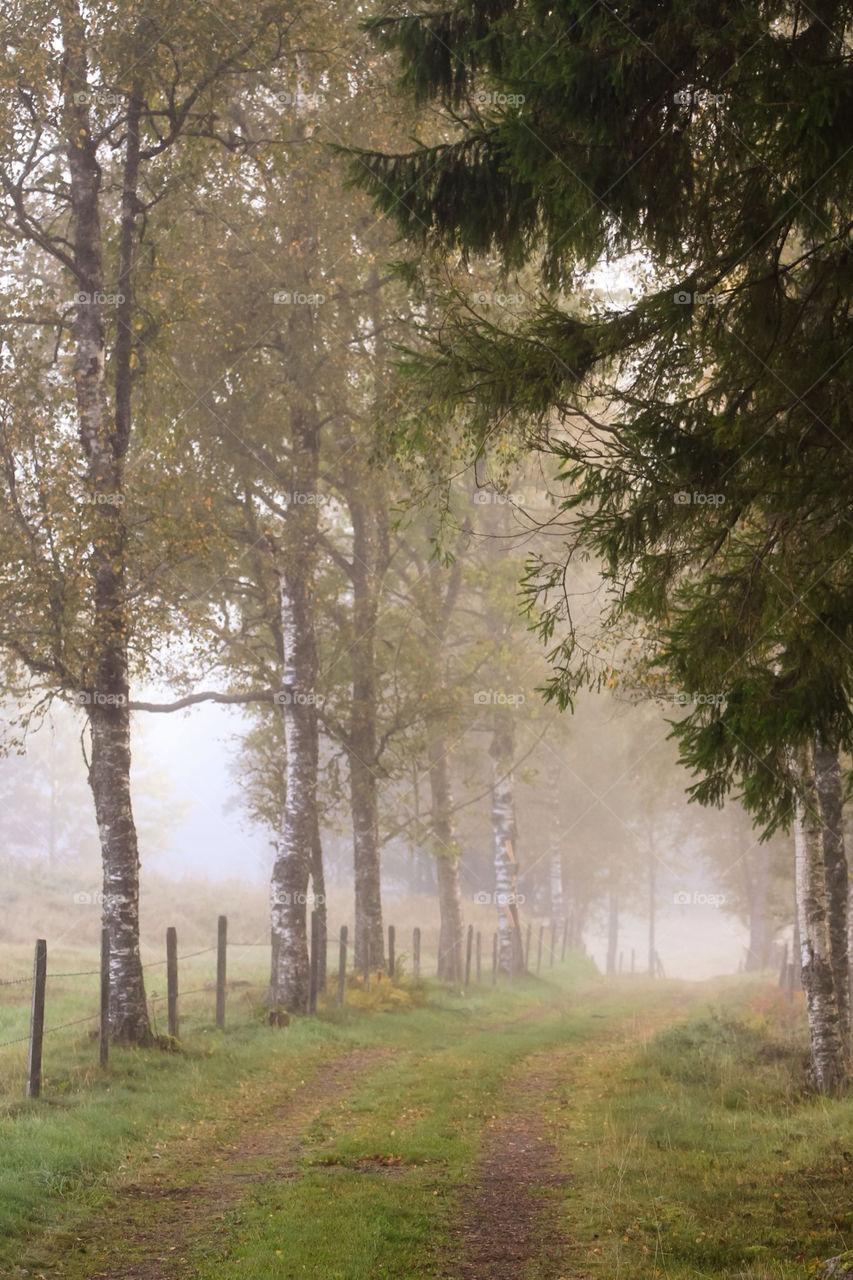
(504, 837)
(829, 789)
(447, 863)
(104, 441)
(828, 1068)
(289, 886)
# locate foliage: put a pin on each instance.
(703, 425)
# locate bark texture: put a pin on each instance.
(447, 863)
(828, 1069)
(510, 953)
(104, 439)
(829, 790)
(299, 843)
(369, 557)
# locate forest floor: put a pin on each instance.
(558, 1130)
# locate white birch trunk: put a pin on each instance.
(298, 846)
(504, 837)
(829, 790)
(828, 1070)
(104, 440)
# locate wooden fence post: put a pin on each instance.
(494, 959)
(392, 959)
(539, 950)
(565, 938)
(552, 945)
(104, 1024)
(632, 959)
(314, 963)
(527, 947)
(469, 943)
(479, 952)
(37, 1020)
(221, 945)
(416, 954)
(172, 980)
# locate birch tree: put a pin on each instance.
(97, 118)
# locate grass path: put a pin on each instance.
(148, 1232)
(546, 1132)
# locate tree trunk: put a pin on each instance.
(318, 886)
(756, 889)
(104, 443)
(299, 832)
(828, 779)
(109, 778)
(612, 927)
(504, 836)
(362, 737)
(555, 859)
(365, 839)
(828, 1069)
(447, 864)
(555, 882)
(652, 912)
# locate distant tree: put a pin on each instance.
(716, 489)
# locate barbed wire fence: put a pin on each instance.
(468, 966)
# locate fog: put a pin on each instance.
(196, 834)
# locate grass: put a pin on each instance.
(703, 1156)
(64, 1155)
(692, 1148)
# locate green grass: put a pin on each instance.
(703, 1156)
(65, 1154)
(692, 1148)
